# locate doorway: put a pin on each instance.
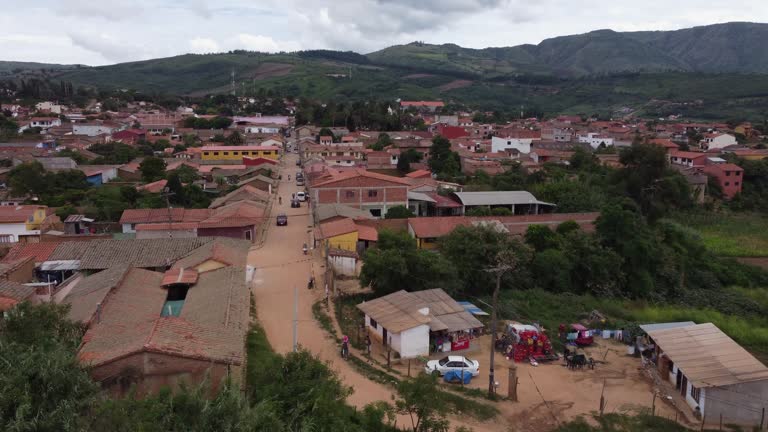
(384, 334)
(684, 386)
(679, 379)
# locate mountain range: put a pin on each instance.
(679, 64)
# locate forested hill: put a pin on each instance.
(673, 71)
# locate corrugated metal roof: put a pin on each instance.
(498, 198)
(708, 357)
(665, 326)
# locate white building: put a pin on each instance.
(49, 107)
(404, 321)
(263, 129)
(43, 123)
(93, 129)
(595, 140)
(523, 145)
(716, 141)
(711, 372)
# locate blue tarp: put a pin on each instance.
(469, 307)
(455, 376)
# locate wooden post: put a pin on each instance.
(762, 419)
(512, 383)
(409, 368)
(676, 413)
(653, 405)
(703, 421)
(389, 356)
(602, 399)
(721, 421)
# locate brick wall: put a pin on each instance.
(150, 372)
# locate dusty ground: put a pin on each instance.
(549, 394)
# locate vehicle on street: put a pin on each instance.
(452, 363)
(295, 203)
(282, 219)
(301, 196)
(298, 162)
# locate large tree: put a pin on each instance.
(152, 169)
(396, 263)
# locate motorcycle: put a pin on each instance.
(304, 248)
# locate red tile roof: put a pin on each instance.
(181, 276)
(38, 251)
(434, 227)
(356, 173)
(238, 214)
(337, 228)
(176, 226)
(154, 187)
(419, 174)
(239, 148)
(366, 232)
(139, 216)
(17, 214)
(423, 103)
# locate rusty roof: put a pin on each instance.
(146, 253)
(211, 325)
(708, 357)
(337, 227)
(39, 251)
(138, 216)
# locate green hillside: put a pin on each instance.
(711, 72)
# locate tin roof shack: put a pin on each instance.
(408, 322)
(713, 372)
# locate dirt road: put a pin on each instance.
(281, 266)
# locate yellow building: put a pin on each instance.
(337, 234)
(21, 223)
(236, 153)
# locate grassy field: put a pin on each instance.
(733, 235)
(550, 310)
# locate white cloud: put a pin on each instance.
(201, 45)
(107, 31)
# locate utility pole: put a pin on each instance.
(167, 194)
(295, 317)
(505, 262)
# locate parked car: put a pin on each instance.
(295, 203)
(301, 196)
(282, 219)
(298, 162)
(452, 363)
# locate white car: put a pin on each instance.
(301, 196)
(450, 363)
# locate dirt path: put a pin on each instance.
(280, 267)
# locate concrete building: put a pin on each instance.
(21, 223)
(729, 176)
(361, 189)
(717, 141)
(408, 321)
(596, 140)
(712, 372)
(236, 153)
(522, 145)
(518, 202)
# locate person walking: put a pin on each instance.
(368, 344)
(280, 200)
(345, 346)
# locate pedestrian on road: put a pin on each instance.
(280, 200)
(368, 344)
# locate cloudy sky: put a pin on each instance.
(97, 32)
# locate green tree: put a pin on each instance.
(42, 384)
(540, 237)
(395, 264)
(421, 400)
(186, 174)
(175, 187)
(406, 159)
(27, 178)
(472, 249)
(235, 139)
(398, 212)
(551, 269)
(442, 160)
(152, 169)
(382, 141)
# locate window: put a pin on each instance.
(728, 173)
(373, 194)
(349, 194)
(738, 173)
(727, 183)
(234, 153)
(376, 213)
(695, 393)
(735, 183)
(206, 153)
(373, 323)
(215, 153)
(226, 153)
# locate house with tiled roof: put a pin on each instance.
(133, 217)
(243, 193)
(152, 329)
(13, 293)
(362, 189)
(21, 223)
